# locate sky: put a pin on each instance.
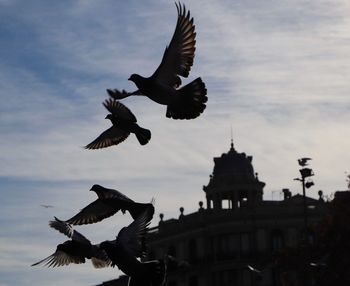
(276, 74)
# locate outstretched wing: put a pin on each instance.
(119, 110)
(60, 258)
(178, 56)
(132, 237)
(112, 136)
(105, 193)
(92, 213)
(67, 229)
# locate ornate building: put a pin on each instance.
(236, 233)
(216, 245)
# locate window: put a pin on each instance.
(226, 204)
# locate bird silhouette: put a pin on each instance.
(75, 250)
(164, 86)
(108, 203)
(46, 206)
(124, 123)
(130, 245)
(303, 161)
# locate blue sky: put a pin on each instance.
(276, 71)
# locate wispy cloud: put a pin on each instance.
(277, 72)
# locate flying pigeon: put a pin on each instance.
(303, 161)
(108, 203)
(46, 206)
(128, 246)
(164, 86)
(74, 250)
(124, 123)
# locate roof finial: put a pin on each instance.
(231, 138)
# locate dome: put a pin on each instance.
(237, 165)
(233, 179)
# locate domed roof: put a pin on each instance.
(233, 168)
(237, 165)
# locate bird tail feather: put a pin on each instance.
(138, 208)
(143, 135)
(117, 94)
(192, 104)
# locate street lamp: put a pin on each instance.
(306, 182)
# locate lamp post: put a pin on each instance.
(305, 173)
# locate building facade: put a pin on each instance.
(235, 233)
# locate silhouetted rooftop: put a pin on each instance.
(232, 168)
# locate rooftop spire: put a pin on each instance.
(232, 147)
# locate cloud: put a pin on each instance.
(276, 72)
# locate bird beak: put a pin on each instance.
(129, 78)
(105, 118)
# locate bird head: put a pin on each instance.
(303, 161)
(96, 187)
(99, 190)
(135, 78)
